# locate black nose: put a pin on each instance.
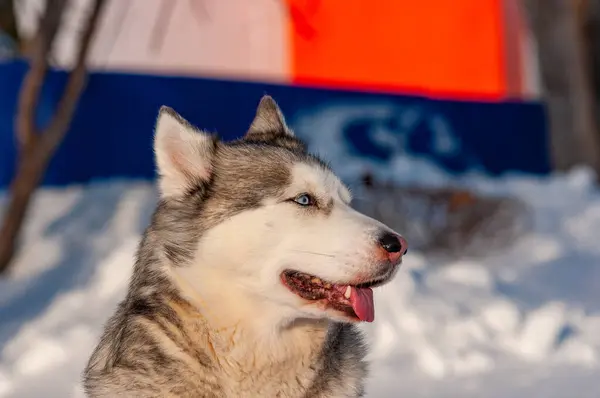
(390, 242)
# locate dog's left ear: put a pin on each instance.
(184, 154)
(269, 123)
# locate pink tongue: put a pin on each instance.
(361, 299)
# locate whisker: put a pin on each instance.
(315, 253)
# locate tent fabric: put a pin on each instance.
(459, 49)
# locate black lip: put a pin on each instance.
(372, 283)
(380, 280)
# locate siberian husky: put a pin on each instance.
(251, 277)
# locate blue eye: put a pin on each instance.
(304, 200)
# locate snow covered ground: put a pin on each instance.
(521, 323)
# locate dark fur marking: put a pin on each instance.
(340, 350)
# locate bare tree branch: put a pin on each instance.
(160, 27)
(77, 79)
(566, 82)
(32, 84)
(200, 11)
(117, 28)
(36, 150)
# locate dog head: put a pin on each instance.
(263, 218)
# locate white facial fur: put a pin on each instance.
(245, 255)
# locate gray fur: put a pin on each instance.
(157, 344)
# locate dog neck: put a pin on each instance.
(245, 339)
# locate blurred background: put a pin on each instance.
(470, 126)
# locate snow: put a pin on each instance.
(73, 270)
(519, 323)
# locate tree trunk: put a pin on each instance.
(28, 176)
(36, 149)
(566, 83)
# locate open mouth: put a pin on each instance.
(355, 301)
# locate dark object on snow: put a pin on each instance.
(445, 221)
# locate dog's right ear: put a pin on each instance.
(184, 154)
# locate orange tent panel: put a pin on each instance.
(437, 47)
